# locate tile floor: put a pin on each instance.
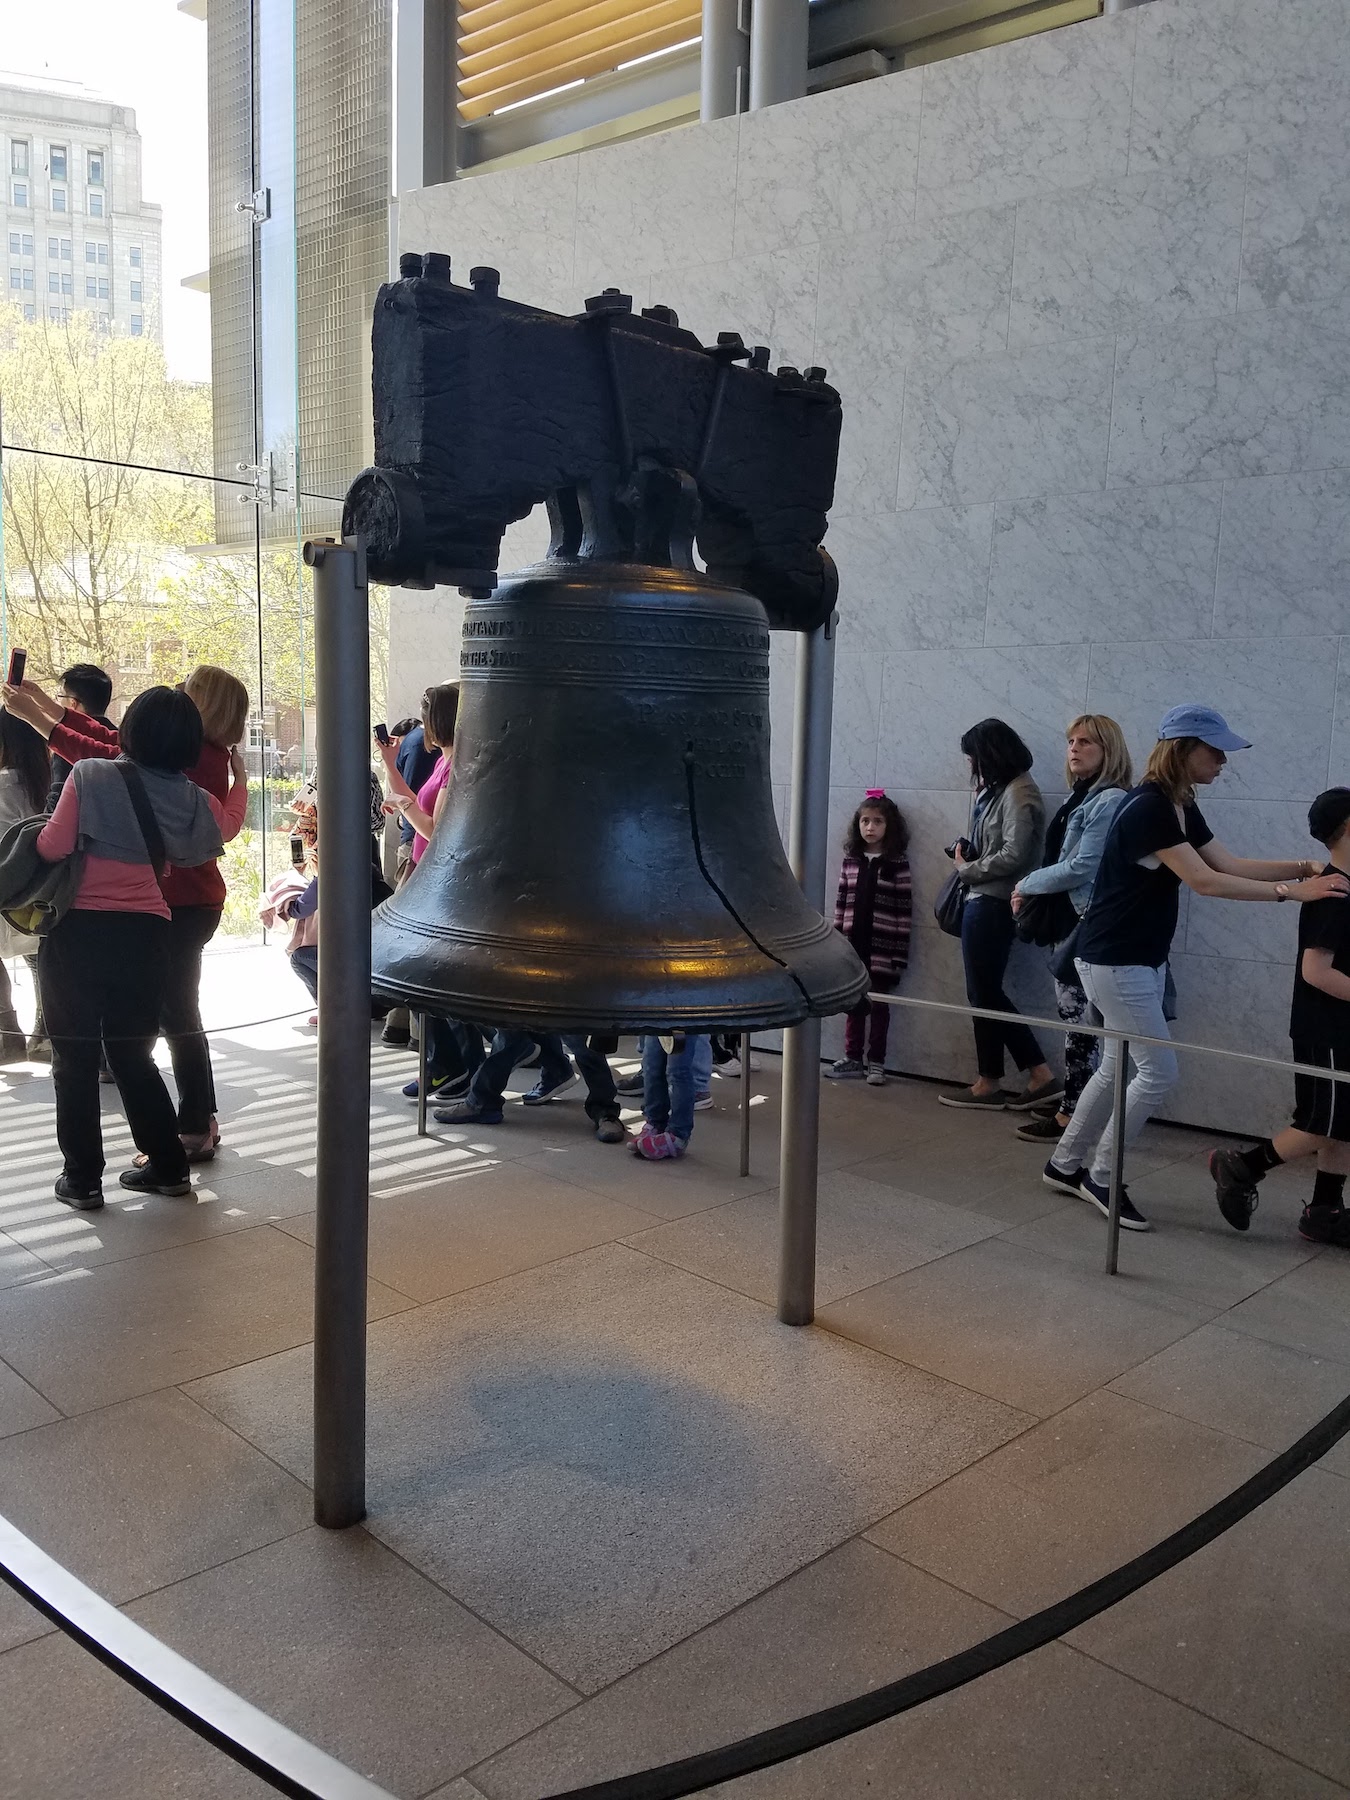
(617, 1512)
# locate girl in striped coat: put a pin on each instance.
(873, 911)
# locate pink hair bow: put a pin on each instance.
(875, 794)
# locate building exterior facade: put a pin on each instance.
(79, 236)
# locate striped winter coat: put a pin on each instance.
(888, 955)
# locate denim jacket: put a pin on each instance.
(1084, 841)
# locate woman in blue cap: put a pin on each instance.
(1158, 839)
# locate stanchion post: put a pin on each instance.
(422, 1060)
(745, 1103)
(342, 694)
(1117, 1154)
(807, 834)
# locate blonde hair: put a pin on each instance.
(1117, 770)
(222, 700)
(1167, 766)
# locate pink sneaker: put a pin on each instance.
(658, 1146)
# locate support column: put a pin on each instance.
(724, 64)
(778, 46)
(807, 853)
(342, 696)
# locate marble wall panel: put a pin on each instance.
(1277, 692)
(1296, 238)
(1249, 931)
(869, 444)
(525, 542)
(1226, 76)
(930, 698)
(1338, 775)
(1046, 112)
(1128, 563)
(769, 299)
(1284, 556)
(521, 221)
(1260, 394)
(939, 286)
(915, 580)
(1143, 249)
(1032, 421)
(844, 160)
(1244, 1008)
(424, 639)
(857, 718)
(660, 202)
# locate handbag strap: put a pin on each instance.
(145, 818)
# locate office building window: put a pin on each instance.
(14, 242)
(27, 244)
(135, 324)
(96, 253)
(54, 314)
(104, 323)
(90, 288)
(134, 256)
(30, 313)
(18, 156)
(103, 255)
(103, 287)
(96, 168)
(53, 247)
(16, 278)
(136, 290)
(67, 283)
(57, 161)
(65, 250)
(53, 283)
(95, 204)
(58, 199)
(20, 193)
(28, 281)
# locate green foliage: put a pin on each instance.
(241, 866)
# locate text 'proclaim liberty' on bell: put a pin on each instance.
(607, 859)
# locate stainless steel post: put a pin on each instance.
(807, 851)
(1117, 1155)
(745, 1103)
(724, 59)
(342, 695)
(778, 46)
(422, 1074)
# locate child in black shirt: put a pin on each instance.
(1319, 1026)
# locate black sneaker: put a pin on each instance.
(1064, 1181)
(1038, 1130)
(1098, 1194)
(1326, 1225)
(1234, 1187)
(82, 1196)
(146, 1181)
(398, 1037)
(629, 1084)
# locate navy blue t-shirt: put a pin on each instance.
(414, 763)
(1132, 915)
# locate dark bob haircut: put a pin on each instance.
(162, 729)
(996, 753)
(88, 684)
(1328, 816)
(896, 840)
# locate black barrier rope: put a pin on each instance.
(761, 1750)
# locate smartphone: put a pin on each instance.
(297, 851)
(18, 664)
(382, 734)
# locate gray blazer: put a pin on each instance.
(1012, 836)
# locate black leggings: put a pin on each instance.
(986, 944)
(190, 931)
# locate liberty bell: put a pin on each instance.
(607, 859)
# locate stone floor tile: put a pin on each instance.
(1251, 1630)
(1067, 1502)
(1190, 1256)
(17, 1264)
(867, 1232)
(1054, 1726)
(480, 1226)
(1027, 1329)
(19, 1622)
(21, 1406)
(667, 1190)
(146, 1492)
(1307, 1309)
(88, 1337)
(998, 1185)
(72, 1730)
(601, 1456)
(1245, 1386)
(336, 1637)
(458, 1790)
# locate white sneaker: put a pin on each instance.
(876, 1075)
(702, 1101)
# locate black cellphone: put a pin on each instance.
(382, 734)
(297, 851)
(18, 664)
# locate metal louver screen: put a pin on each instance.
(513, 50)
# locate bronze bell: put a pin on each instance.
(608, 859)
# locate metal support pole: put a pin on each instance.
(1117, 1154)
(724, 59)
(422, 1074)
(778, 45)
(745, 1103)
(808, 832)
(342, 695)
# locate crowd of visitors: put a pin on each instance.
(110, 839)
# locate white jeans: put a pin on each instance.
(1129, 999)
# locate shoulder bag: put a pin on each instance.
(950, 905)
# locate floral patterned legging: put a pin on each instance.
(1081, 1052)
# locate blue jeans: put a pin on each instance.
(305, 963)
(669, 1085)
(1129, 999)
(453, 1048)
(509, 1046)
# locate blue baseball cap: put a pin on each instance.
(1204, 723)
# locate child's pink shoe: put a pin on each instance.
(658, 1146)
